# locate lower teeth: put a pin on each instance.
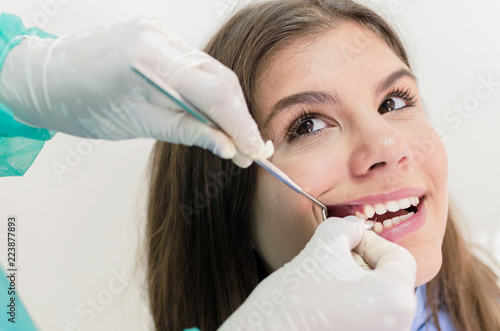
(387, 224)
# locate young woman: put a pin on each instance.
(329, 82)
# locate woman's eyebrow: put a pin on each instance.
(305, 98)
(319, 97)
(393, 78)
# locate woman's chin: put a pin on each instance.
(428, 271)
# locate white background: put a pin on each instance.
(78, 234)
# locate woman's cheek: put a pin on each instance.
(283, 221)
(315, 170)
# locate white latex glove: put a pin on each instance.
(323, 288)
(83, 85)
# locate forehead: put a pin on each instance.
(333, 59)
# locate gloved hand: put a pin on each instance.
(323, 288)
(83, 85)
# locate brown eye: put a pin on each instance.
(305, 127)
(391, 104)
(310, 125)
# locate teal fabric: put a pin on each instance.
(19, 144)
(22, 320)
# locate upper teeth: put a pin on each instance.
(382, 208)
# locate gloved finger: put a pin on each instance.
(334, 229)
(386, 257)
(215, 90)
(156, 97)
(241, 160)
(215, 141)
(179, 127)
(359, 260)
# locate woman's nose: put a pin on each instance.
(378, 148)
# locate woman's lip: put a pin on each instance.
(384, 197)
(405, 228)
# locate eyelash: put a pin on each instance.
(306, 115)
(403, 94)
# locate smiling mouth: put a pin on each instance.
(383, 215)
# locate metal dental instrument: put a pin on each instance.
(175, 96)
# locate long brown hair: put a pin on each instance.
(200, 261)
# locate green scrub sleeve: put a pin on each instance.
(19, 144)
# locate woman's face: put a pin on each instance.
(348, 126)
